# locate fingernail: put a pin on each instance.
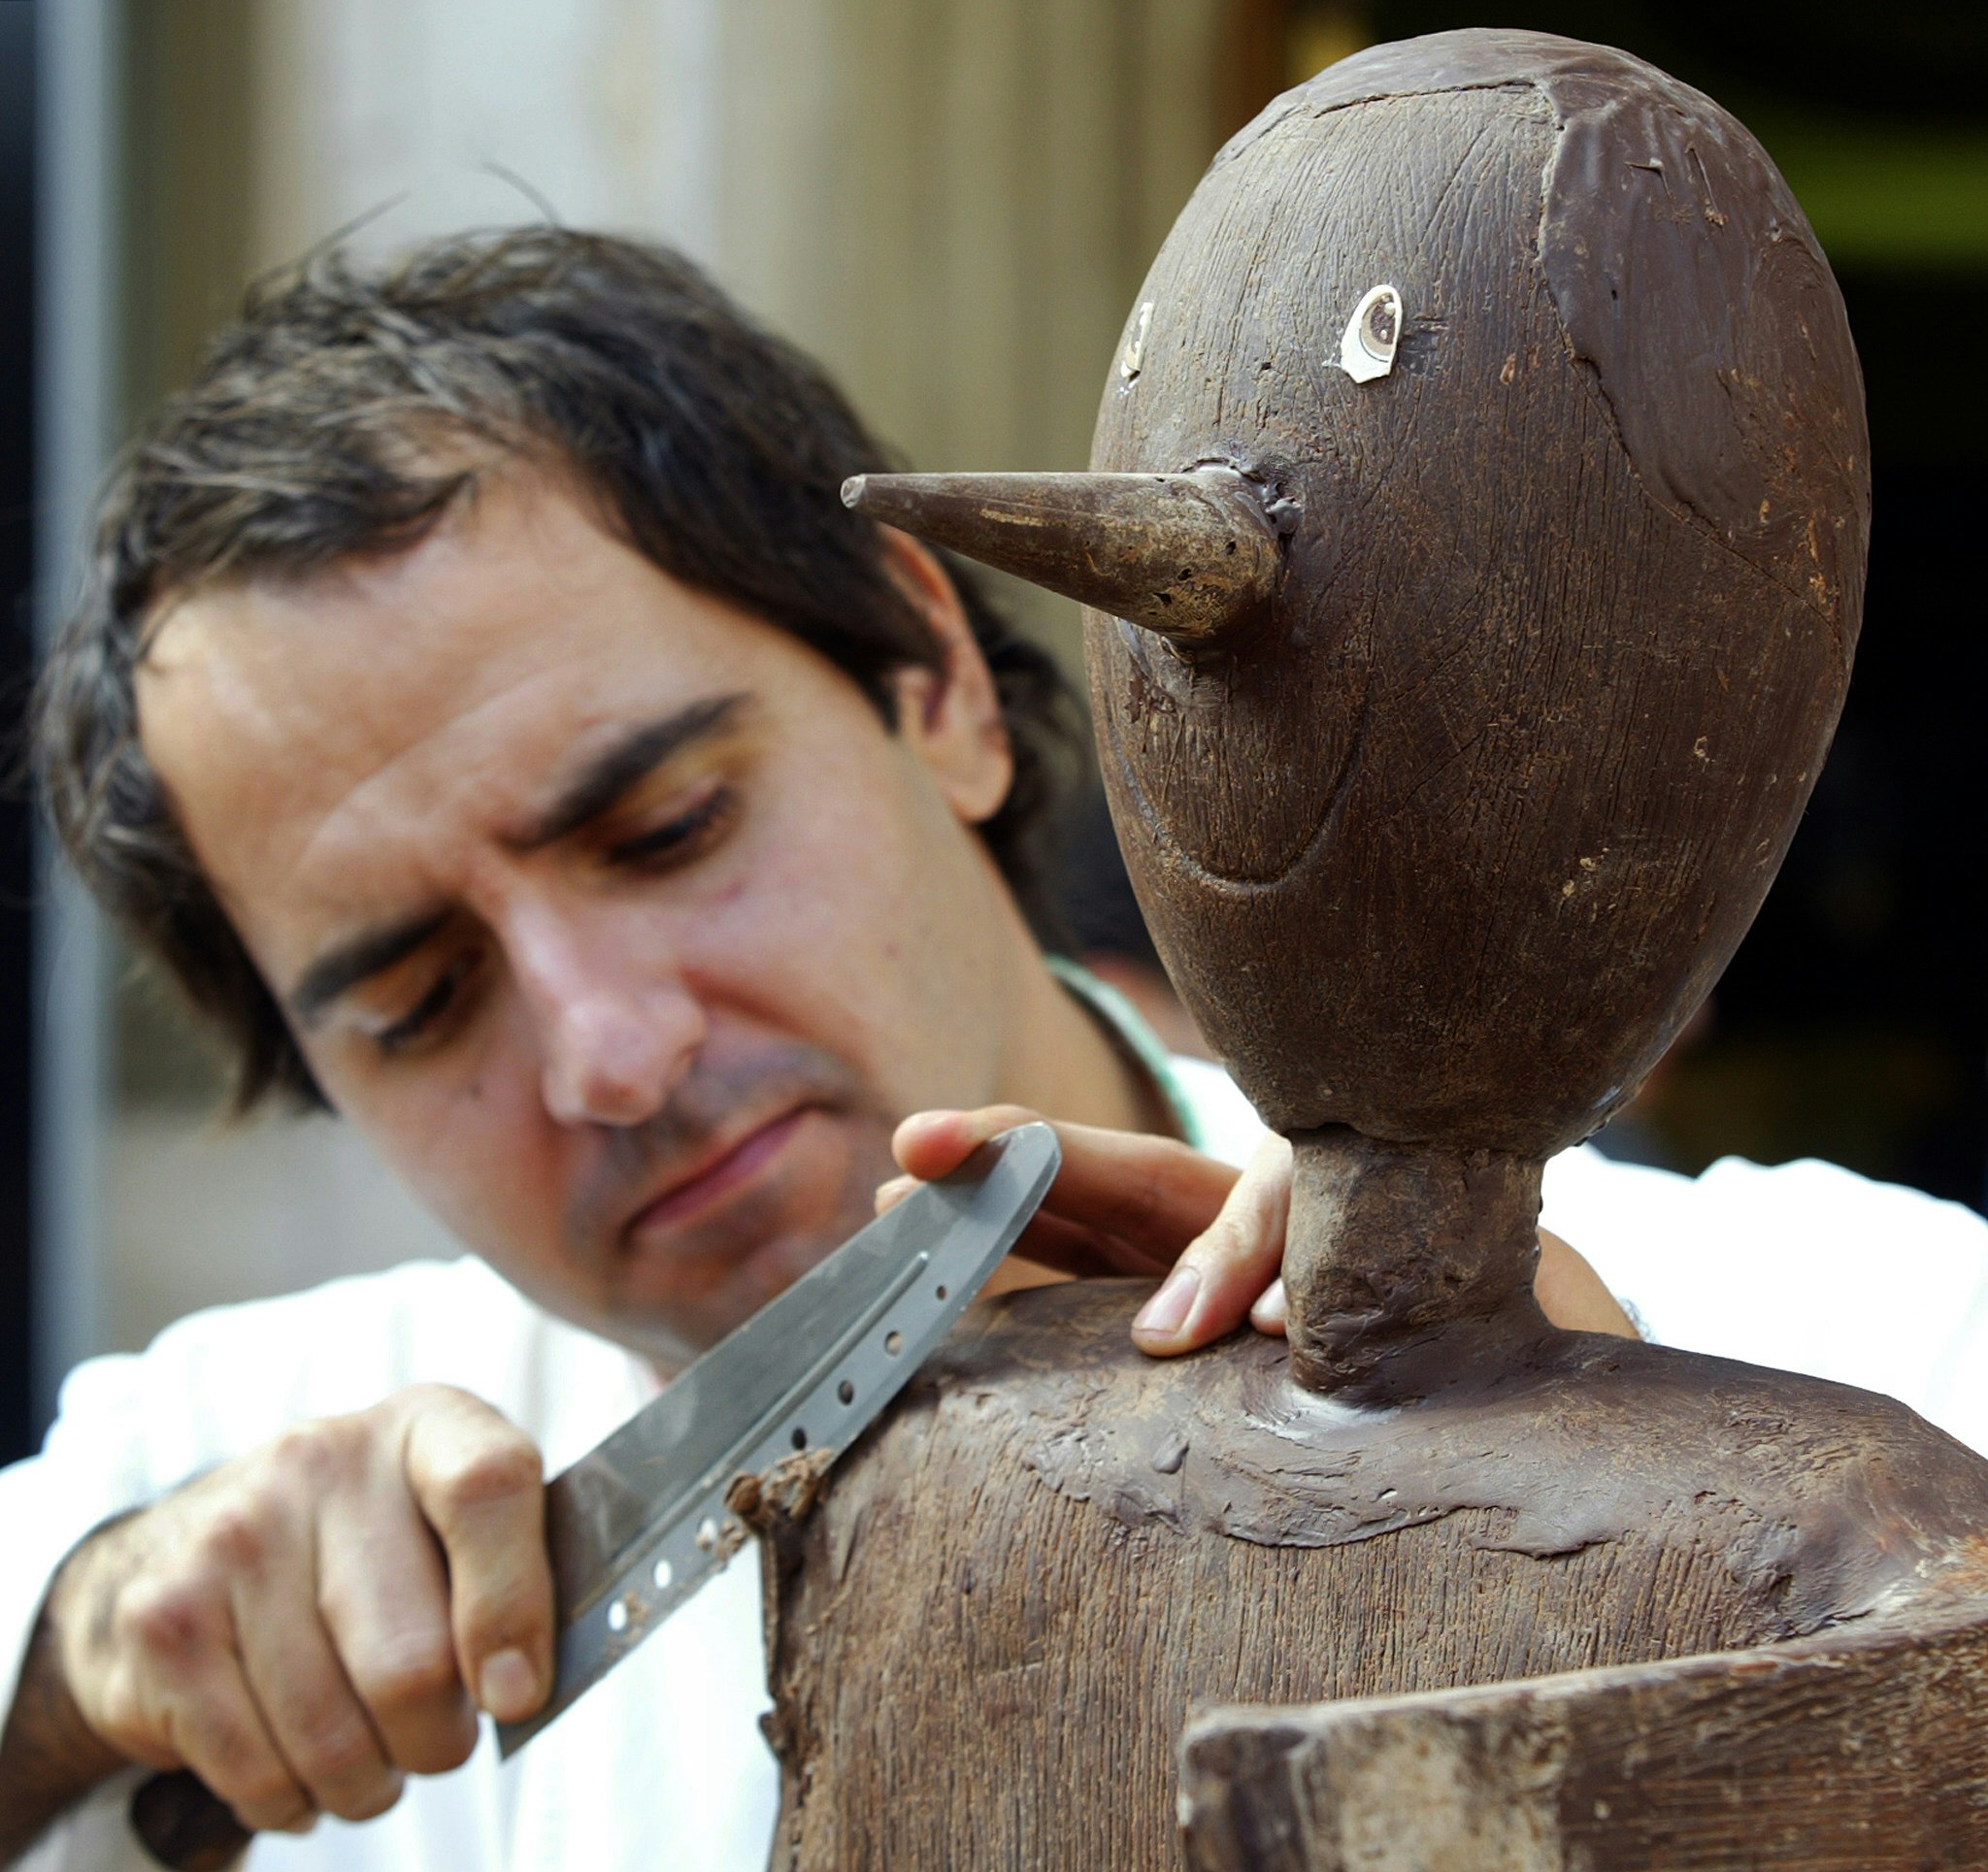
(890, 1195)
(1166, 1313)
(1269, 1312)
(507, 1686)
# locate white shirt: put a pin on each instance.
(660, 1767)
(662, 1764)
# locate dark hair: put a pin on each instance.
(311, 433)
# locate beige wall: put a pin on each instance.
(959, 218)
(950, 203)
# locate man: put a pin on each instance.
(485, 710)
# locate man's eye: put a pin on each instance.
(420, 1020)
(681, 838)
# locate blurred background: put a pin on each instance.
(951, 202)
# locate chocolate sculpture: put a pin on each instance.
(1475, 560)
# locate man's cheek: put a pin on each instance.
(477, 1161)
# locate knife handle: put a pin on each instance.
(185, 1825)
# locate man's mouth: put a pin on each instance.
(710, 1182)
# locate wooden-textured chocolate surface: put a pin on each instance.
(1397, 1254)
(1861, 1751)
(1441, 842)
(1453, 846)
(1191, 556)
(987, 1635)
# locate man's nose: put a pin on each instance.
(617, 1027)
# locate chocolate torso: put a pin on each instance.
(1445, 809)
(986, 1637)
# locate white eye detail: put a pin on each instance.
(1133, 360)
(1366, 350)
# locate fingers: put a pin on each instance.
(479, 1482)
(386, 1608)
(931, 1144)
(1223, 1273)
(1249, 1240)
(218, 1733)
(1068, 1248)
(1140, 1198)
(1124, 1202)
(176, 1696)
(1571, 1294)
(1267, 1314)
(1050, 1241)
(309, 1705)
(298, 1627)
(348, 1699)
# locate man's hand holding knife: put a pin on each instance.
(303, 1627)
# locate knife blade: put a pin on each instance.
(636, 1527)
(640, 1523)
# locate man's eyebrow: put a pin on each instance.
(347, 963)
(605, 778)
(586, 795)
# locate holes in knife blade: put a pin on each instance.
(618, 1615)
(942, 1294)
(707, 1534)
(893, 1342)
(800, 1436)
(846, 1391)
(663, 1573)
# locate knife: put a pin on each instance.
(636, 1525)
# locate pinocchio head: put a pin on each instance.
(1473, 556)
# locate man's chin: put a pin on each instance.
(671, 1335)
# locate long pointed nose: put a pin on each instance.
(1188, 556)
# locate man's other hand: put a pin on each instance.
(306, 1625)
(1127, 1203)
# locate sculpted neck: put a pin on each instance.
(1405, 1261)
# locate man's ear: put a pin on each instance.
(948, 717)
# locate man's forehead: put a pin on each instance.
(284, 717)
(520, 590)
(481, 581)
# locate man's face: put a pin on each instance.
(615, 917)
